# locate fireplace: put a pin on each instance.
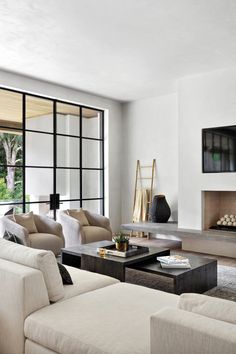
(216, 204)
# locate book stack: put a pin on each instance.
(174, 261)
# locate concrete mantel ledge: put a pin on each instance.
(172, 229)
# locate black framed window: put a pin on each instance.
(50, 147)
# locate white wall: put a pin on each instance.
(207, 100)
(150, 130)
(113, 129)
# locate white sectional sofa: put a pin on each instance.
(99, 315)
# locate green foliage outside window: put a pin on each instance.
(10, 177)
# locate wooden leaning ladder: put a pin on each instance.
(139, 179)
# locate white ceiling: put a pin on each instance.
(123, 49)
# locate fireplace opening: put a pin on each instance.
(219, 210)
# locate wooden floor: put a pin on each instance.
(176, 246)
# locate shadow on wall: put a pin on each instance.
(174, 211)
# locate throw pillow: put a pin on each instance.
(11, 237)
(27, 221)
(65, 275)
(79, 215)
(10, 212)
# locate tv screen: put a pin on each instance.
(219, 149)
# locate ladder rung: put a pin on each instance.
(146, 166)
(148, 189)
(144, 177)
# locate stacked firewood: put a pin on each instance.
(227, 220)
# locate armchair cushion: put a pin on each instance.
(27, 221)
(96, 233)
(47, 242)
(78, 215)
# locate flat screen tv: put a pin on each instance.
(219, 149)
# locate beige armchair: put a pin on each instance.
(49, 235)
(76, 231)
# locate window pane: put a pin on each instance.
(70, 205)
(39, 208)
(67, 151)
(38, 184)
(68, 119)
(11, 109)
(39, 114)
(91, 123)
(91, 153)
(95, 206)
(92, 184)
(39, 149)
(10, 184)
(10, 147)
(68, 184)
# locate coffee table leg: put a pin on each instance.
(198, 280)
(179, 286)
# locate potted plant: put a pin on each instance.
(122, 241)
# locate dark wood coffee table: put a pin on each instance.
(87, 258)
(201, 277)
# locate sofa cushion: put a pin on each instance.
(27, 221)
(84, 282)
(96, 233)
(218, 309)
(78, 215)
(33, 348)
(45, 261)
(114, 319)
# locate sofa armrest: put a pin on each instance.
(98, 220)
(7, 224)
(22, 292)
(181, 332)
(72, 229)
(49, 226)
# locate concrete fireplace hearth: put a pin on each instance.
(215, 204)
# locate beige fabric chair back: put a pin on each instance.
(75, 233)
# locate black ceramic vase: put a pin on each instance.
(160, 210)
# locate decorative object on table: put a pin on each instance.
(122, 242)
(160, 210)
(102, 252)
(174, 261)
(111, 250)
